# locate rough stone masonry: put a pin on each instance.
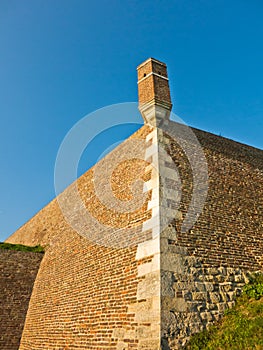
(156, 278)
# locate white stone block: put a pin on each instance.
(152, 266)
(149, 185)
(151, 223)
(153, 149)
(153, 203)
(148, 248)
(152, 135)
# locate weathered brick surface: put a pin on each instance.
(85, 295)
(204, 269)
(80, 296)
(229, 230)
(152, 65)
(134, 279)
(18, 271)
(50, 221)
(96, 297)
(153, 83)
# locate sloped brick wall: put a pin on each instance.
(18, 271)
(80, 297)
(229, 230)
(86, 293)
(205, 268)
(91, 296)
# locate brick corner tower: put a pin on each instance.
(154, 93)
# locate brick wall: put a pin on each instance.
(18, 271)
(80, 297)
(88, 293)
(94, 292)
(229, 230)
(204, 268)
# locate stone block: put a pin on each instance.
(214, 297)
(174, 304)
(200, 296)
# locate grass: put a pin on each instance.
(21, 247)
(241, 327)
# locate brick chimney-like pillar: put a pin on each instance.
(154, 93)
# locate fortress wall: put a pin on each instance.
(112, 179)
(134, 278)
(18, 273)
(229, 230)
(89, 294)
(92, 289)
(205, 268)
(81, 297)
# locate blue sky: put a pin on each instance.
(60, 60)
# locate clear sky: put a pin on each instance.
(62, 59)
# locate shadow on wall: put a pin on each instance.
(18, 273)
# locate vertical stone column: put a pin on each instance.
(155, 106)
(148, 257)
(151, 291)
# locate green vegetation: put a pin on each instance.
(241, 327)
(21, 247)
(254, 289)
